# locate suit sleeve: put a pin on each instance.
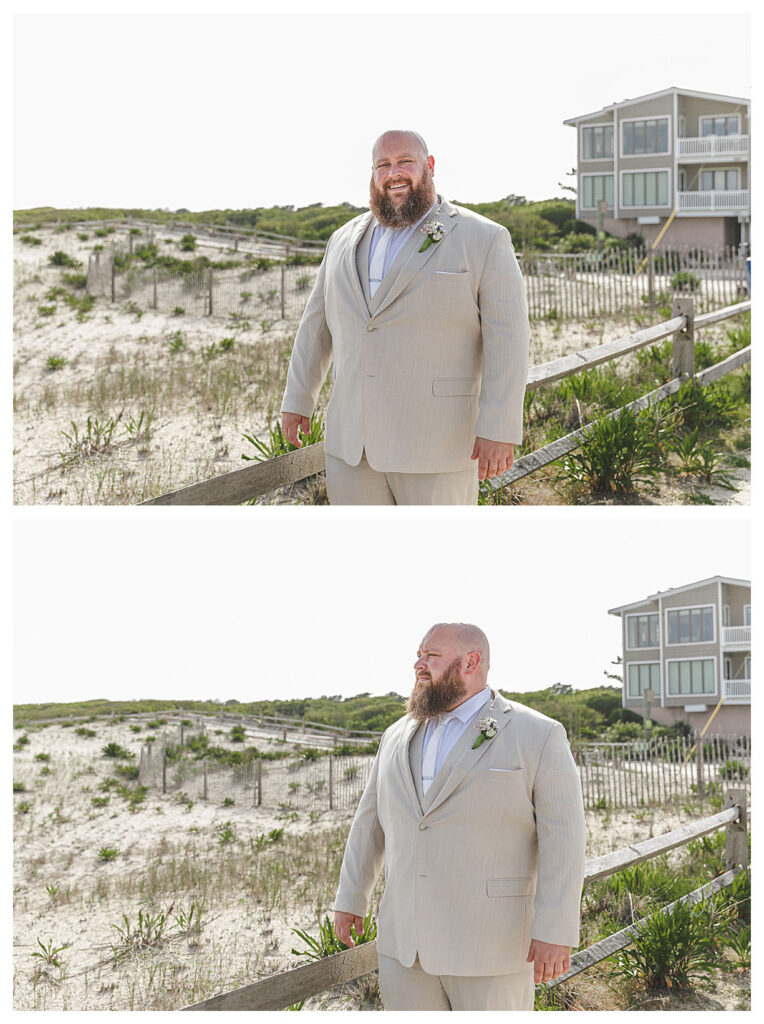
(561, 833)
(311, 353)
(506, 338)
(364, 853)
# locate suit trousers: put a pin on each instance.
(411, 988)
(362, 485)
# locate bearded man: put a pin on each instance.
(474, 806)
(420, 307)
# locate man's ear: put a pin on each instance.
(473, 660)
(431, 163)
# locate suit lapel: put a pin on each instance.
(468, 758)
(404, 764)
(351, 267)
(413, 259)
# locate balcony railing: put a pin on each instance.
(737, 688)
(714, 145)
(734, 635)
(732, 199)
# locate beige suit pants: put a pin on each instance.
(362, 485)
(411, 988)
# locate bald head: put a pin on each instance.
(464, 638)
(396, 136)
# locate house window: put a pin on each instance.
(649, 136)
(597, 142)
(696, 676)
(596, 187)
(729, 125)
(719, 181)
(642, 677)
(645, 188)
(690, 625)
(642, 630)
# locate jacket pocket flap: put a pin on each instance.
(450, 387)
(508, 886)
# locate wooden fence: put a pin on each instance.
(616, 281)
(286, 989)
(256, 480)
(661, 771)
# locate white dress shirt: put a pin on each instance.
(459, 719)
(399, 239)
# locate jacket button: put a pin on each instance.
(422, 826)
(370, 327)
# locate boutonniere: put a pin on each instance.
(488, 730)
(434, 231)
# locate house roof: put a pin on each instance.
(654, 95)
(678, 590)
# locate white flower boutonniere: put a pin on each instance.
(434, 231)
(488, 730)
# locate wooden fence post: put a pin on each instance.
(683, 359)
(699, 766)
(651, 278)
(283, 291)
(259, 783)
(737, 831)
(331, 782)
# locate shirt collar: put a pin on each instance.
(467, 710)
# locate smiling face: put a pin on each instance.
(401, 189)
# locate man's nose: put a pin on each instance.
(419, 663)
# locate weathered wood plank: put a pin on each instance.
(619, 940)
(718, 370)
(251, 482)
(600, 867)
(722, 314)
(281, 990)
(556, 369)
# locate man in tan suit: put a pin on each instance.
(420, 307)
(474, 806)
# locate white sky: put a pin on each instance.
(257, 603)
(232, 110)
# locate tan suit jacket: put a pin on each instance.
(436, 358)
(493, 855)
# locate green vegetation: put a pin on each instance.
(327, 942)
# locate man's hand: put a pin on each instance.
(549, 960)
(494, 457)
(291, 422)
(342, 923)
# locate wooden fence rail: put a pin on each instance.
(289, 987)
(243, 485)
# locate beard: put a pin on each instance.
(431, 697)
(413, 208)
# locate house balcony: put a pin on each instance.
(713, 147)
(736, 638)
(737, 691)
(731, 201)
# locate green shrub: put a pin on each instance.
(673, 949)
(277, 444)
(327, 942)
(107, 853)
(188, 243)
(31, 240)
(54, 363)
(115, 750)
(62, 259)
(75, 280)
(685, 281)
